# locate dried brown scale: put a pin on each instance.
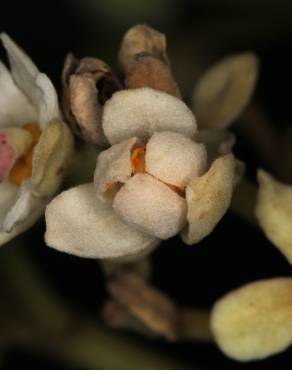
(149, 71)
(86, 108)
(87, 85)
(70, 64)
(153, 308)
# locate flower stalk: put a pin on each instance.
(54, 328)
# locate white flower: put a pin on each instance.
(151, 184)
(32, 158)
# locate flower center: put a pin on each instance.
(138, 165)
(22, 168)
(138, 160)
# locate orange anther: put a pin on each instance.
(138, 160)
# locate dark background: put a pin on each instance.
(199, 32)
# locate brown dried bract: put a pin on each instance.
(150, 71)
(147, 304)
(141, 39)
(87, 85)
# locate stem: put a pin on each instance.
(195, 325)
(83, 164)
(244, 200)
(68, 336)
(94, 345)
(260, 133)
(273, 148)
(33, 295)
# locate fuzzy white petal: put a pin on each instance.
(22, 226)
(23, 69)
(35, 85)
(174, 158)
(25, 204)
(48, 105)
(141, 112)
(8, 193)
(113, 165)
(151, 206)
(15, 108)
(79, 224)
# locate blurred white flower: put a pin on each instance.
(34, 144)
(224, 90)
(274, 212)
(254, 321)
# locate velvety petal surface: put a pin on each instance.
(151, 206)
(80, 224)
(113, 166)
(174, 158)
(25, 204)
(35, 85)
(15, 108)
(141, 112)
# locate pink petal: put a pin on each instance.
(7, 156)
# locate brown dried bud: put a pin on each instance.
(87, 85)
(141, 39)
(149, 71)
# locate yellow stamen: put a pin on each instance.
(22, 168)
(138, 160)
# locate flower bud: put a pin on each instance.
(254, 321)
(274, 212)
(224, 90)
(141, 39)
